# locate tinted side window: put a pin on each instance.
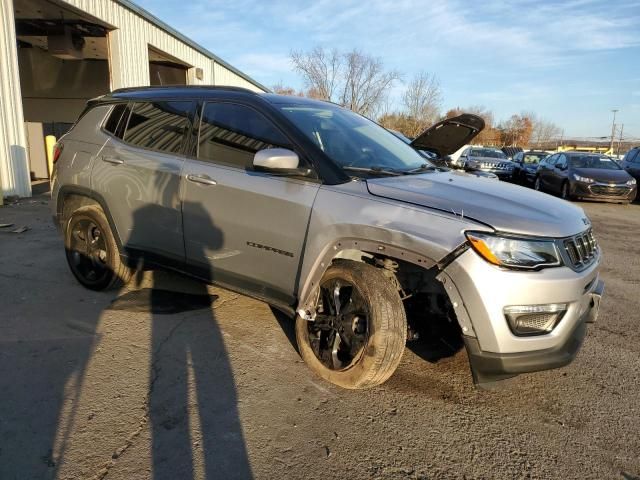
(561, 161)
(117, 120)
(634, 156)
(232, 134)
(159, 125)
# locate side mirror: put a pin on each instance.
(279, 161)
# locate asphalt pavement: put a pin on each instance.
(172, 379)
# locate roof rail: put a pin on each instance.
(183, 87)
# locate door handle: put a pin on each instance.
(112, 160)
(203, 179)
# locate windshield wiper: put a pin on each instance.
(425, 167)
(372, 170)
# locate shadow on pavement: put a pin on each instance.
(193, 410)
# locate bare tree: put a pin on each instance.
(544, 132)
(354, 79)
(366, 82)
(281, 89)
(422, 101)
(320, 70)
(516, 131)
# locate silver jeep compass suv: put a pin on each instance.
(331, 218)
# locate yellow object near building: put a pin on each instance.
(576, 148)
(49, 142)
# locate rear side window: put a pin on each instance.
(159, 125)
(232, 134)
(117, 120)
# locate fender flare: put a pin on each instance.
(335, 248)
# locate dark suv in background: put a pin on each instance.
(585, 176)
(631, 163)
(526, 166)
(487, 159)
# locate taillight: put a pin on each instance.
(57, 150)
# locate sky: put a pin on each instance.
(571, 61)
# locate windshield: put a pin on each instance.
(353, 141)
(533, 158)
(486, 152)
(593, 161)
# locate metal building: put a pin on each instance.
(57, 54)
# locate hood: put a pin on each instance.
(448, 136)
(604, 176)
(503, 206)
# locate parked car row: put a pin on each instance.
(572, 175)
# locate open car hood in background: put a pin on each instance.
(448, 136)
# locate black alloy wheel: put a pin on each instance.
(341, 328)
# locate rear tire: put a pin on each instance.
(362, 345)
(92, 252)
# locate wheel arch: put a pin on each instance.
(354, 248)
(71, 198)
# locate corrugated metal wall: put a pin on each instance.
(129, 43)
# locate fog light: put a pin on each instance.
(534, 319)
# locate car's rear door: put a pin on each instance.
(244, 229)
(138, 175)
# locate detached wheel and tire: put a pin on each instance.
(92, 251)
(358, 336)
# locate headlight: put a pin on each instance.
(583, 179)
(514, 252)
(631, 182)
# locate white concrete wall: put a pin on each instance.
(14, 167)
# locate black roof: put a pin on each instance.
(207, 91)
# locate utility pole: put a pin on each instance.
(613, 129)
(620, 139)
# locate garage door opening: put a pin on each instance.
(165, 69)
(63, 62)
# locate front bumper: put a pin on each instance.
(480, 292)
(603, 192)
(489, 367)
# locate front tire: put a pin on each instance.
(359, 333)
(92, 252)
(564, 191)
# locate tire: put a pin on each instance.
(538, 185)
(92, 252)
(564, 191)
(377, 342)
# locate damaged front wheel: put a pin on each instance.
(358, 334)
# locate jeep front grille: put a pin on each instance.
(581, 249)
